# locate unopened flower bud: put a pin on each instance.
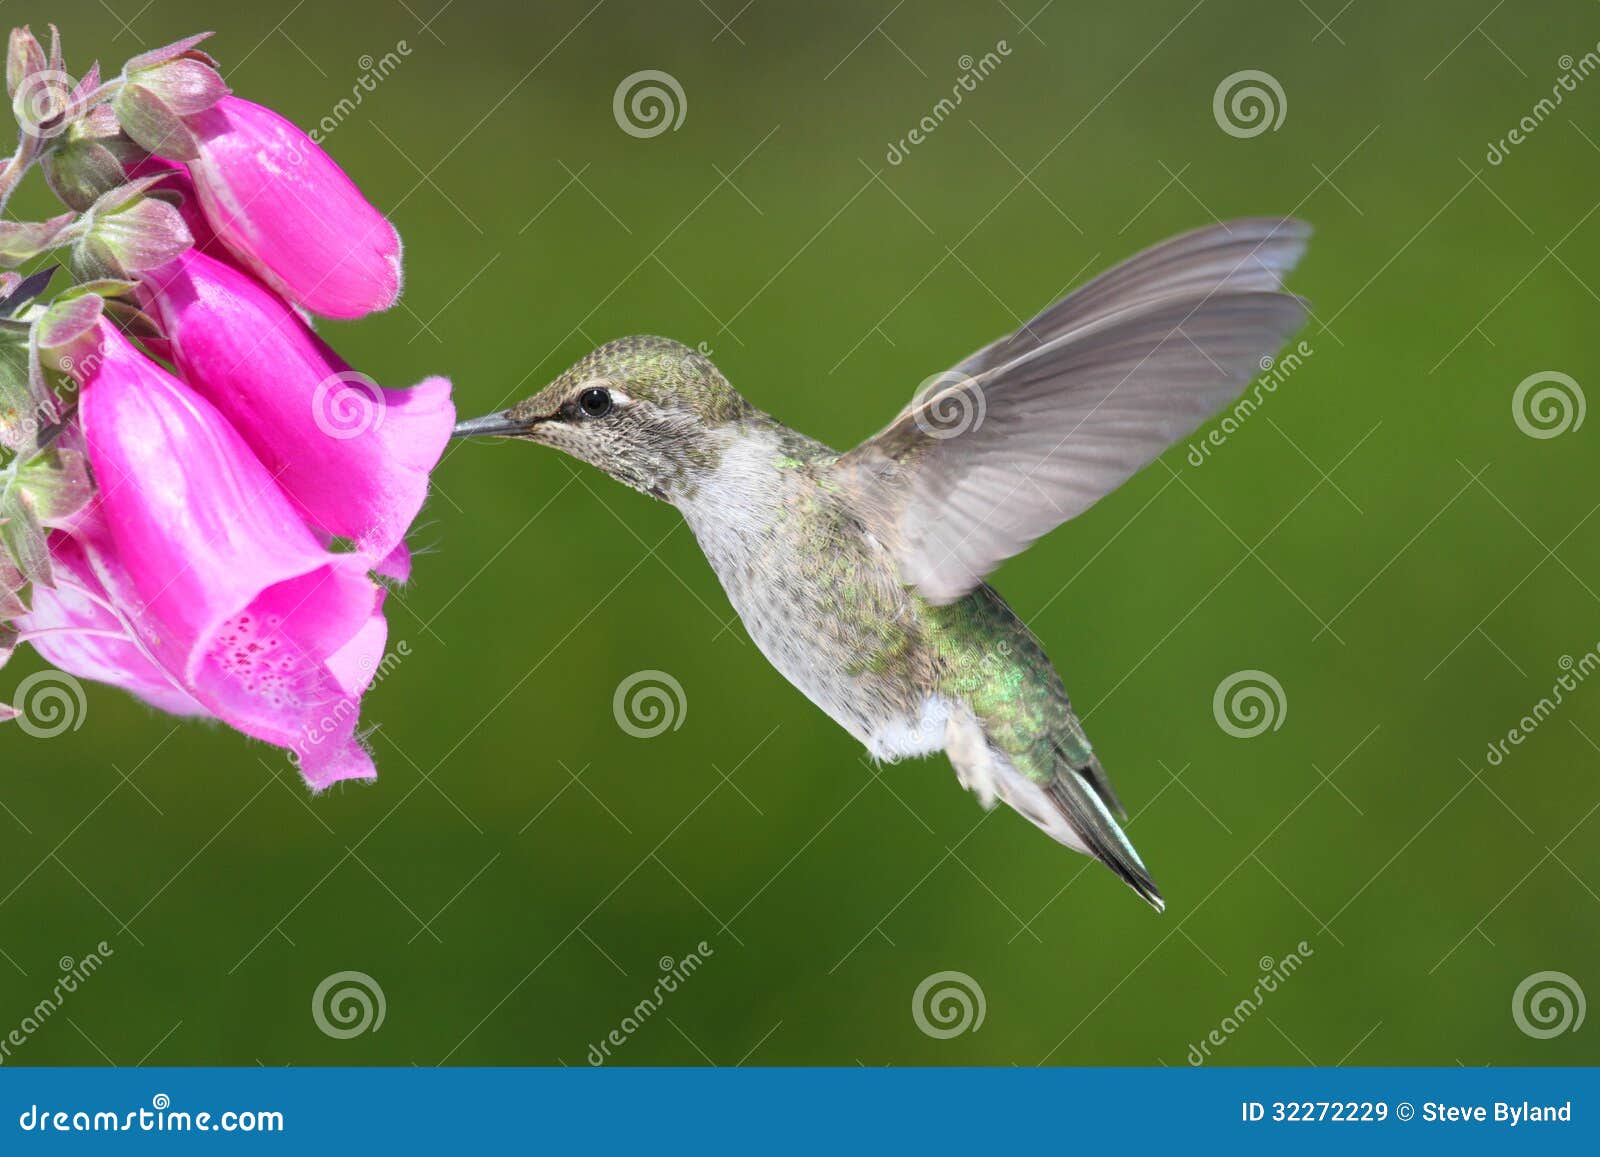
(91, 159)
(127, 232)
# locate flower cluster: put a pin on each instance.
(198, 498)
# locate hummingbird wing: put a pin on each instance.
(1036, 427)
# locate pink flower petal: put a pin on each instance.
(353, 456)
(287, 210)
(214, 566)
(71, 626)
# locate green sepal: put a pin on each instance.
(128, 232)
(177, 49)
(19, 291)
(24, 537)
(91, 158)
(186, 85)
(148, 119)
(24, 57)
(66, 320)
(102, 287)
(8, 643)
(58, 482)
(22, 241)
(20, 408)
(133, 321)
(11, 584)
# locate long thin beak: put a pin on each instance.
(490, 425)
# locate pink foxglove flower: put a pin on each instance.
(73, 625)
(228, 589)
(286, 209)
(354, 457)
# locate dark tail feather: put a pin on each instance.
(1087, 808)
(1096, 775)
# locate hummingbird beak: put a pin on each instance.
(498, 425)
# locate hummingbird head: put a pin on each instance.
(651, 412)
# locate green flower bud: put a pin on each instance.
(92, 158)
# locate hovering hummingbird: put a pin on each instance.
(860, 575)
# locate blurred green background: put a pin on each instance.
(1380, 537)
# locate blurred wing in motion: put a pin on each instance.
(1036, 427)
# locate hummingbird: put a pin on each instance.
(860, 575)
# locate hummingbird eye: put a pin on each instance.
(595, 402)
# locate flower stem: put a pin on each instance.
(18, 164)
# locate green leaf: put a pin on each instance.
(23, 537)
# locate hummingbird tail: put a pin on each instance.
(1075, 795)
(1074, 808)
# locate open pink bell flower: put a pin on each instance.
(223, 583)
(354, 457)
(74, 626)
(287, 210)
